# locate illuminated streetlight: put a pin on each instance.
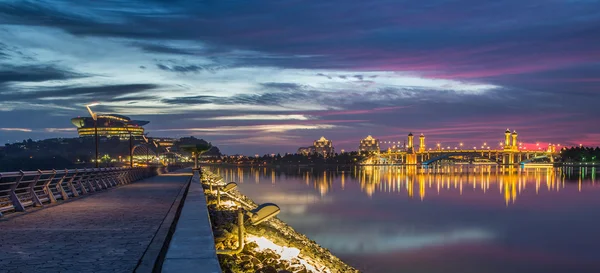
(95, 118)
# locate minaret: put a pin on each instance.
(507, 139)
(411, 143)
(514, 140)
(422, 143)
(411, 156)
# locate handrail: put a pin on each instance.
(22, 189)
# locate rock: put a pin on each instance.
(269, 269)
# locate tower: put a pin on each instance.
(411, 157)
(422, 143)
(507, 139)
(514, 140)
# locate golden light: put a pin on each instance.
(286, 253)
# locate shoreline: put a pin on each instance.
(271, 247)
(556, 165)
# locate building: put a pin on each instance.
(109, 125)
(306, 150)
(323, 146)
(165, 142)
(369, 144)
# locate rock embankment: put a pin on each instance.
(270, 247)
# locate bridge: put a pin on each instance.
(510, 154)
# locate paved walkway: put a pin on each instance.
(107, 231)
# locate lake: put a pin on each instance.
(460, 218)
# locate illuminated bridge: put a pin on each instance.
(511, 153)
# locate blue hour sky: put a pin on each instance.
(269, 76)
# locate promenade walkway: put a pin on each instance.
(108, 231)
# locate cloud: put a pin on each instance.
(260, 117)
(393, 66)
(80, 93)
(60, 130)
(34, 73)
(16, 129)
(267, 128)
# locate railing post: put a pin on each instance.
(101, 174)
(87, 180)
(60, 188)
(13, 195)
(72, 187)
(34, 198)
(47, 187)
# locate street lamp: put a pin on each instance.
(95, 117)
(130, 147)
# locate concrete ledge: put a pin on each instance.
(155, 253)
(192, 247)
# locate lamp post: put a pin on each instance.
(130, 147)
(95, 117)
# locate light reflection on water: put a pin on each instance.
(446, 219)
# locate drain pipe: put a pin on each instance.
(240, 237)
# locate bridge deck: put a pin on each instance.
(104, 232)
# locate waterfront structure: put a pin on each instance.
(509, 153)
(109, 125)
(422, 143)
(369, 144)
(411, 143)
(323, 146)
(166, 142)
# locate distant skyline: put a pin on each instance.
(271, 76)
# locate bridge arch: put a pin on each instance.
(534, 158)
(447, 155)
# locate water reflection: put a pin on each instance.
(509, 182)
(444, 219)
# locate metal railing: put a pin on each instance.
(22, 189)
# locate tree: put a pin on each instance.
(196, 150)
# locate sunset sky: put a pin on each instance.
(270, 76)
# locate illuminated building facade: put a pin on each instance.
(306, 150)
(109, 125)
(369, 144)
(422, 143)
(323, 146)
(166, 142)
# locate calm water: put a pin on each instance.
(450, 219)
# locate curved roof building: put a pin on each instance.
(109, 125)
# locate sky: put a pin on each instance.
(271, 76)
